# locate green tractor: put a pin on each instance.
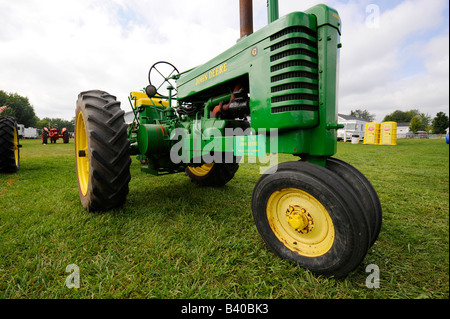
(274, 91)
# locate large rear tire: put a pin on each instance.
(9, 145)
(102, 151)
(305, 214)
(44, 137)
(66, 137)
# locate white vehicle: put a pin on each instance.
(27, 132)
(20, 130)
(352, 126)
(31, 132)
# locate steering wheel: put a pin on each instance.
(161, 75)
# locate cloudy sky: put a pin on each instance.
(395, 54)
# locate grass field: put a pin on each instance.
(173, 239)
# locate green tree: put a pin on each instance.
(9, 111)
(363, 114)
(45, 122)
(401, 116)
(416, 124)
(440, 123)
(426, 120)
(19, 107)
(56, 123)
(3, 99)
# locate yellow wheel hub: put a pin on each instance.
(299, 219)
(82, 154)
(300, 222)
(201, 170)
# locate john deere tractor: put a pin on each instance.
(274, 91)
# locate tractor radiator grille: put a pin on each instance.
(294, 70)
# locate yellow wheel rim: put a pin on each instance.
(16, 147)
(300, 222)
(82, 154)
(201, 170)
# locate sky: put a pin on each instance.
(394, 55)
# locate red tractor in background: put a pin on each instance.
(53, 134)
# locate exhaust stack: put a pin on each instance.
(246, 17)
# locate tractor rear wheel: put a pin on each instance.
(213, 174)
(44, 137)
(102, 151)
(9, 145)
(305, 214)
(66, 137)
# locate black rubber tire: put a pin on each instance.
(108, 151)
(351, 232)
(66, 137)
(364, 190)
(44, 137)
(219, 174)
(8, 145)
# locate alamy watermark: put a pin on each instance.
(373, 280)
(208, 146)
(73, 280)
(373, 16)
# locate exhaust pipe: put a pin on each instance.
(246, 17)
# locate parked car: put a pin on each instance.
(421, 134)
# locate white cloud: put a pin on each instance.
(51, 50)
(388, 67)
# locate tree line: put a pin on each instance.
(21, 108)
(23, 111)
(417, 121)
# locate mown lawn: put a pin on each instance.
(173, 239)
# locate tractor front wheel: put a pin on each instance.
(102, 151)
(305, 214)
(364, 190)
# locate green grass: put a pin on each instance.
(175, 240)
